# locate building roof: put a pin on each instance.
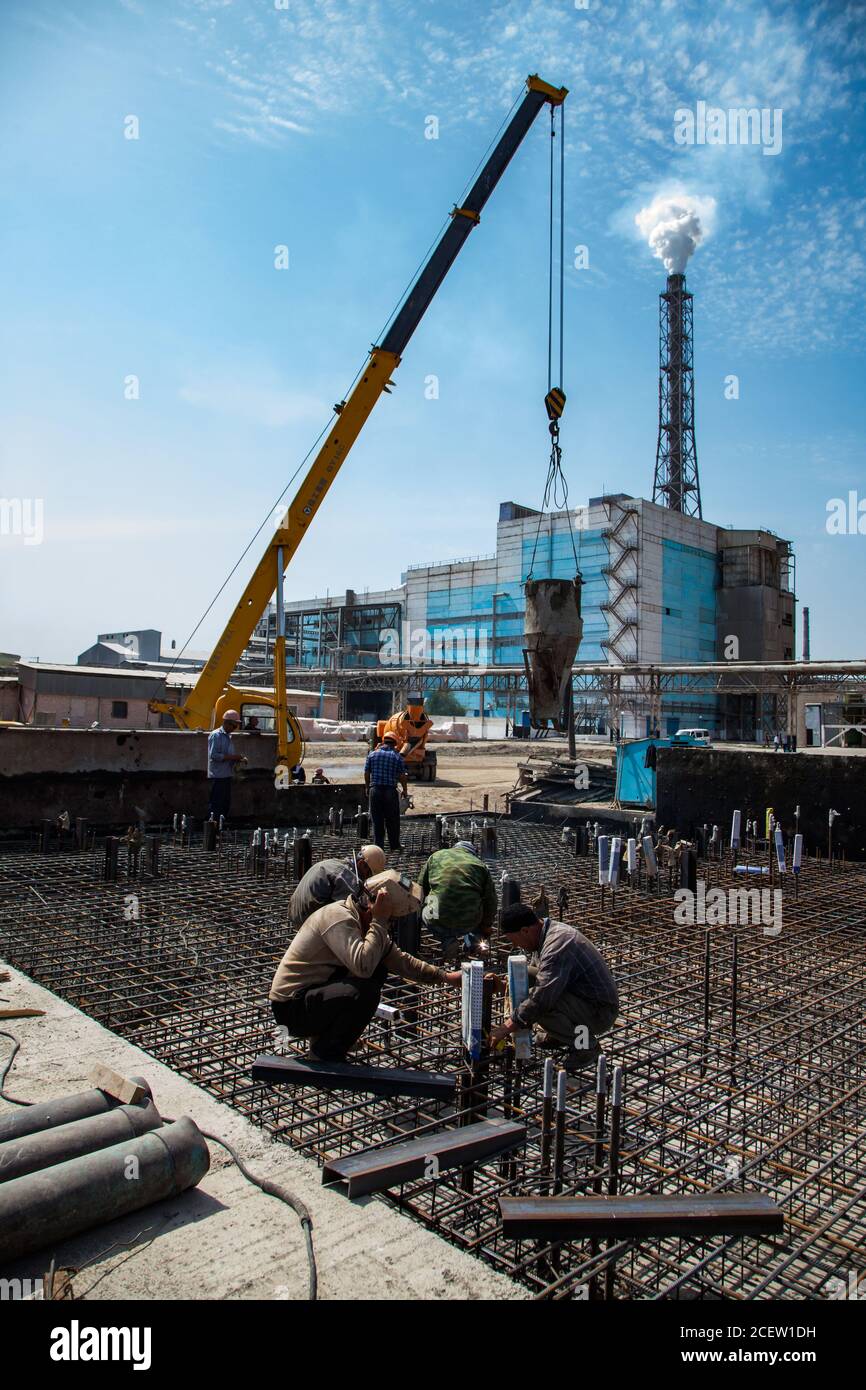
(107, 672)
(110, 647)
(178, 679)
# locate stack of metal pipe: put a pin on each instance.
(70, 1164)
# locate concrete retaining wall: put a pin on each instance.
(697, 785)
(117, 779)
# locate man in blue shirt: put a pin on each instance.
(221, 762)
(383, 770)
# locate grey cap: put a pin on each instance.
(467, 844)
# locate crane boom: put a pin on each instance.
(198, 710)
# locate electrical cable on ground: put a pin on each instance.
(273, 1189)
(16, 1047)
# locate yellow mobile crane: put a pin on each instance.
(213, 693)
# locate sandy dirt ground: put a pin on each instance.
(465, 771)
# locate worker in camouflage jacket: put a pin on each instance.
(460, 901)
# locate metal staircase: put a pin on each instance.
(622, 574)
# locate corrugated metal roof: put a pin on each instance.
(109, 672)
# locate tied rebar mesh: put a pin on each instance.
(751, 1077)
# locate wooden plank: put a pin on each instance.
(583, 1218)
(22, 1013)
(375, 1170)
(113, 1084)
(351, 1076)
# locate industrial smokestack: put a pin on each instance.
(676, 484)
(674, 226)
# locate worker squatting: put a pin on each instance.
(328, 984)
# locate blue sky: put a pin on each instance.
(304, 126)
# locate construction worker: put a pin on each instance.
(383, 770)
(222, 759)
(459, 897)
(332, 881)
(573, 998)
(328, 985)
(319, 778)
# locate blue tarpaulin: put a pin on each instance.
(635, 782)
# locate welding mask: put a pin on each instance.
(405, 895)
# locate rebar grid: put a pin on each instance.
(744, 1053)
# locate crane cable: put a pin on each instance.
(556, 485)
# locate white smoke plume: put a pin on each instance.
(674, 225)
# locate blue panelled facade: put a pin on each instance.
(689, 583)
(690, 580)
(555, 559)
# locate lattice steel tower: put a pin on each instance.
(676, 481)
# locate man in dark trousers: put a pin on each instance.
(573, 998)
(222, 759)
(383, 771)
(328, 984)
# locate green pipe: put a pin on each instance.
(46, 1208)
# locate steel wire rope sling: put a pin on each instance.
(555, 496)
(556, 485)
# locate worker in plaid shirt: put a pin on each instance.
(383, 771)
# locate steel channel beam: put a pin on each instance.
(352, 1076)
(581, 1218)
(375, 1170)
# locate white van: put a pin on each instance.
(701, 736)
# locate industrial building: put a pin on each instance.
(140, 647)
(51, 695)
(659, 587)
